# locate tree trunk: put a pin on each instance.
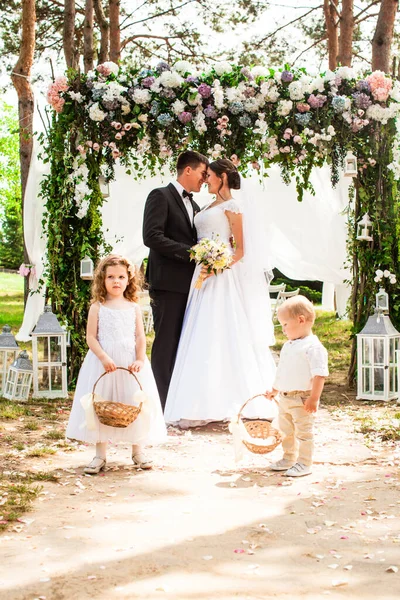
(21, 81)
(104, 30)
(69, 33)
(115, 33)
(331, 24)
(346, 33)
(88, 50)
(383, 36)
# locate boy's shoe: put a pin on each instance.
(298, 470)
(97, 465)
(281, 465)
(141, 462)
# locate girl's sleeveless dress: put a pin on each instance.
(116, 334)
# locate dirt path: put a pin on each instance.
(198, 527)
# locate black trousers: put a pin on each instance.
(168, 312)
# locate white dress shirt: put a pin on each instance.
(186, 201)
(299, 362)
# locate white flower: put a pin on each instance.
(259, 71)
(386, 273)
(76, 96)
(125, 108)
(346, 73)
(331, 130)
(284, 107)
(317, 84)
(393, 279)
(222, 67)
(143, 118)
(156, 87)
(377, 279)
(170, 79)
(200, 122)
(270, 91)
(252, 105)
(379, 273)
(95, 113)
(296, 90)
(218, 94)
(110, 66)
(329, 76)
(395, 91)
(141, 96)
(261, 126)
(195, 100)
(183, 66)
(178, 107)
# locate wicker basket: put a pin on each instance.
(261, 430)
(116, 414)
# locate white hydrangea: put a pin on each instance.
(222, 67)
(259, 71)
(261, 126)
(178, 107)
(395, 91)
(329, 76)
(270, 91)
(183, 66)
(395, 164)
(381, 114)
(156, 86)
(296, 90)
(253, 105)
(284, 107)
(141, 96)
(96, 114)
(112, 67)
(234, 94)
(346, 73)
(144, 145)
(317, 84)
(113, 91)
(195, 100)
(170, 79)
(77, 96)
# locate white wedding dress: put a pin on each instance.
(222, 359)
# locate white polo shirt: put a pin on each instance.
(299, 362)
(186, 201)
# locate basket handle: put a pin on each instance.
(250, 399)
(122, 369)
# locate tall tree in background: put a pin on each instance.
(383, 36)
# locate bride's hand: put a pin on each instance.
(205, 274)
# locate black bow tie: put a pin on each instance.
(186, 194)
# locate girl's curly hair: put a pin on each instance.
(99, 292)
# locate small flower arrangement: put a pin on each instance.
(214, 255)
(379, 275)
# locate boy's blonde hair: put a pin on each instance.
(297, 306)
(99, 291)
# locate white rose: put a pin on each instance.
(386, 273)
(379, 273)
(393, 279)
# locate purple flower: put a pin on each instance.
(361, 100)
(287, 76)
(363, 86)
(168, 93)
(191, 79)
(210, 112)
(185, 117)
(316, 101)
(163, 66)
(148, 81)
(204, 90)
(249, 92)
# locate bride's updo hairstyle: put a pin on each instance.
(224, 165)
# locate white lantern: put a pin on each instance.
(364, 228)
(398, 375)
(19, 378)
(49, 351)
(382, 301)
(104, 186)
(87, 268)
(376, 359)
(8, 353)
(350, 165)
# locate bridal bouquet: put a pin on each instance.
(215, 256)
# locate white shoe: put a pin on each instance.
(281, 465)
(97, 465)
(298, 470)
(141, 462)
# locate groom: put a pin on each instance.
(169, 232)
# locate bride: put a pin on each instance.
(223, 357)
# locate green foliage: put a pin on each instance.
(11, 237)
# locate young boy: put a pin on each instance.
(299, 381)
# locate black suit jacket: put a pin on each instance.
(168, 233)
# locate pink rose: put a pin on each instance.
(297, 139)
(127, 126)
(118, 136)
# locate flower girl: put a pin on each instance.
(116, 338)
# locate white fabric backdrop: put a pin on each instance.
(306, 241)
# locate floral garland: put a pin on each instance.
(259, 116)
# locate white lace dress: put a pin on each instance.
(116, 334)
(218, 365)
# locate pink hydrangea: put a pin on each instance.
(107, 68)
(316, 101)
(302, 107)
(380, 85)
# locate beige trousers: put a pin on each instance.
(297, 427)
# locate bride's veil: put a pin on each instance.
(256, 269)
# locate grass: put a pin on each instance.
(39, 452)
(11, 300)
(12, 410)
(31, 425)
(54, 435)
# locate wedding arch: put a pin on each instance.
(145, 117)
